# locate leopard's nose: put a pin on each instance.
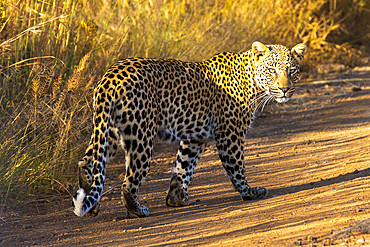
(284, 89)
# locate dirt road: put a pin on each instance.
(313, 155)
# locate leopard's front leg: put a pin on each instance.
(231, 152)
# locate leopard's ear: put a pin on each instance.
(299, 51)
(259, 50)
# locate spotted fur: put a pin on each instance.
(138, 99)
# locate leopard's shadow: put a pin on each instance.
(325, 182)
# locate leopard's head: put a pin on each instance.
(277, 69)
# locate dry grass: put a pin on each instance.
(52, 52)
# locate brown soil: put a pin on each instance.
(313, 155)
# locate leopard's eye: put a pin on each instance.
(271, 70)
(293, 70)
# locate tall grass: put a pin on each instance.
(52, 52)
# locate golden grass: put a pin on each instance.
(52, 52)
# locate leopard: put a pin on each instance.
(140, 100)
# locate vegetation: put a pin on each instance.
(52, 52)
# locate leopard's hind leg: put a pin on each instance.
(138, 156)
(186, 160)
(138, 135)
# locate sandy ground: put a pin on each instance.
(313, 155)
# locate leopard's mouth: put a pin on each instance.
(282, 99)
(282, 94)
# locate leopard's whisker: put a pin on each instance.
(269, 99)
(263, 103)
(259, 105)
(256, 99)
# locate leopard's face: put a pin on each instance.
(277, 69)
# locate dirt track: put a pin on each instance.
(313, 155)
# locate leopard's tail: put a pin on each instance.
(92, 167)
(78, 203)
